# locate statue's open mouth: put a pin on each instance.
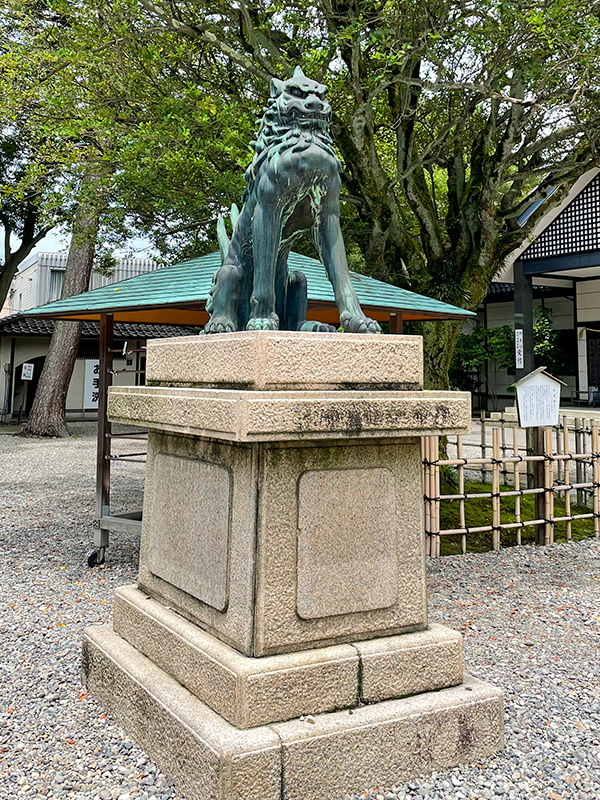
(309, 116)
(305, 113)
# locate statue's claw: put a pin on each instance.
(219, 325)
(270, 323)
(318, 327)
(359, 324)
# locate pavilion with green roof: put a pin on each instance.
(177, 295)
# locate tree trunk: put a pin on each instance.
(47, 416)
(439, 339)
(7, 273)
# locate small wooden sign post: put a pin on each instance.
(538, 406)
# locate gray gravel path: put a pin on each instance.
(530, 617)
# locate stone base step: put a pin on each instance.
(321, 758)
(257, 691)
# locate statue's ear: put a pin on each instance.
(276, 87)
(298, 72)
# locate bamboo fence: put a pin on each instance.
(543, 468)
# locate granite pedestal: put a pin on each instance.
(277, 644)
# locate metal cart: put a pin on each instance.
(128, 521)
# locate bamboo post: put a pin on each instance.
(425, 455)
(567, 480)
(548, 485)
(578, 464)
(461, 491)
(560, 465)
(596, 473)
(437, 489)
(584, 466)
(496, 488)
(517, 481)
(503, 450)
(430, 493)
(483, 446)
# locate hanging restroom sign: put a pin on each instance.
(538, 399)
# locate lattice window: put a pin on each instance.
(575, 230)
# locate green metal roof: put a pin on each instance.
(186, 285)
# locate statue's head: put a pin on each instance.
(300, 100)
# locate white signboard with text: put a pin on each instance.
(538, 400)
(91, 384)
(519, 358)
(27, 372)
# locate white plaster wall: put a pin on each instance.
(23, 291)
(74, 400)
(562, 313)
(588, 301)
(28, 348)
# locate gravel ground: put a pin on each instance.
(530, 617)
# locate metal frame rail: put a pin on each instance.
(128, 521)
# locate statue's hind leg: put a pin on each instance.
(225, 298)
(297, 306)
(230, 284)
(296, 301)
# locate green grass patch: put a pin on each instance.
(478, 512)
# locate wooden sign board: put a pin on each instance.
(538, 399)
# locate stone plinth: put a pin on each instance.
(287, 360)
(282, 572)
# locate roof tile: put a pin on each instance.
(189, 282)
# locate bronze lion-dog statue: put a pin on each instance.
(292, 185)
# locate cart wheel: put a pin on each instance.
(96, 557)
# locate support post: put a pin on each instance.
(523, 311)
(396, 323)
(104, 428)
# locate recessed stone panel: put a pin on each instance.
(347, 559)
(189, 532)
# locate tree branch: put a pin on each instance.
(203, 34)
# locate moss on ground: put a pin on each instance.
(479, 513)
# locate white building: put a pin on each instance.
(557, 268)
(40, 279)
(25, 341)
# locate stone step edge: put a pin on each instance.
(210, 758)
(257, 691)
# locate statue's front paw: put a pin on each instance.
(313, 326)
(219, 324)
(270, 323)
(359, 324)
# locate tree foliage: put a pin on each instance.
(142, 105)
(451, 117)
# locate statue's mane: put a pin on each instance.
(278, 133)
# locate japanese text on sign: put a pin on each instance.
(91, 388)
(27, 372)
(519, 359)
(538, 402)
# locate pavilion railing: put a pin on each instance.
(563, 462)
